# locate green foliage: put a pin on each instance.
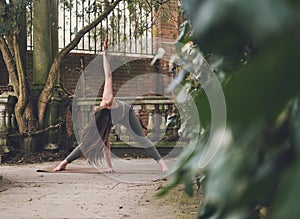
(253, 48)
(133, 14)
(10, 15)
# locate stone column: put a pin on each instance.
(45, 49)
(7, 120)
(42, 51)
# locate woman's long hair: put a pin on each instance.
(96, 134)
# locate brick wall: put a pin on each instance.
(124, 70)
(129, 74)
(167, 20)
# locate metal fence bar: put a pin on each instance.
(76, 20)
(95, 33)
(29, 26)
(118, 22)
(124, 28)
(70, 24)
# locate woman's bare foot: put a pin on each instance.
(109, 170)
(163, 165)
(61, 166)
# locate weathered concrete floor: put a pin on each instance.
(127, 193)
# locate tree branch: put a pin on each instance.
(46, 93)
(37, 132)
(23, 92)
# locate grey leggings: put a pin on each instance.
(124, 115)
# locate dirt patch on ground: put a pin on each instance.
(19, 157)
(184, 206)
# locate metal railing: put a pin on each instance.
(128, 27)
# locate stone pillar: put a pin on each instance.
(23, 39)
(45, 49)
(42, 51)
(157, 120)
(144, 116)
(165, 32)
(54, 29)
(45, 39)
(7, 120)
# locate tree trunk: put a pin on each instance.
(27, 123)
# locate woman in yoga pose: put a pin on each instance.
(95, 142)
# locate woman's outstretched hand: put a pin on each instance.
(105, 47)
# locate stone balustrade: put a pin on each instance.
(152, 111)
(7, 119)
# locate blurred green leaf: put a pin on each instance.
(253, 46)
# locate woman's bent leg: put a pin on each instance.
(134, 127)
(75, 154)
